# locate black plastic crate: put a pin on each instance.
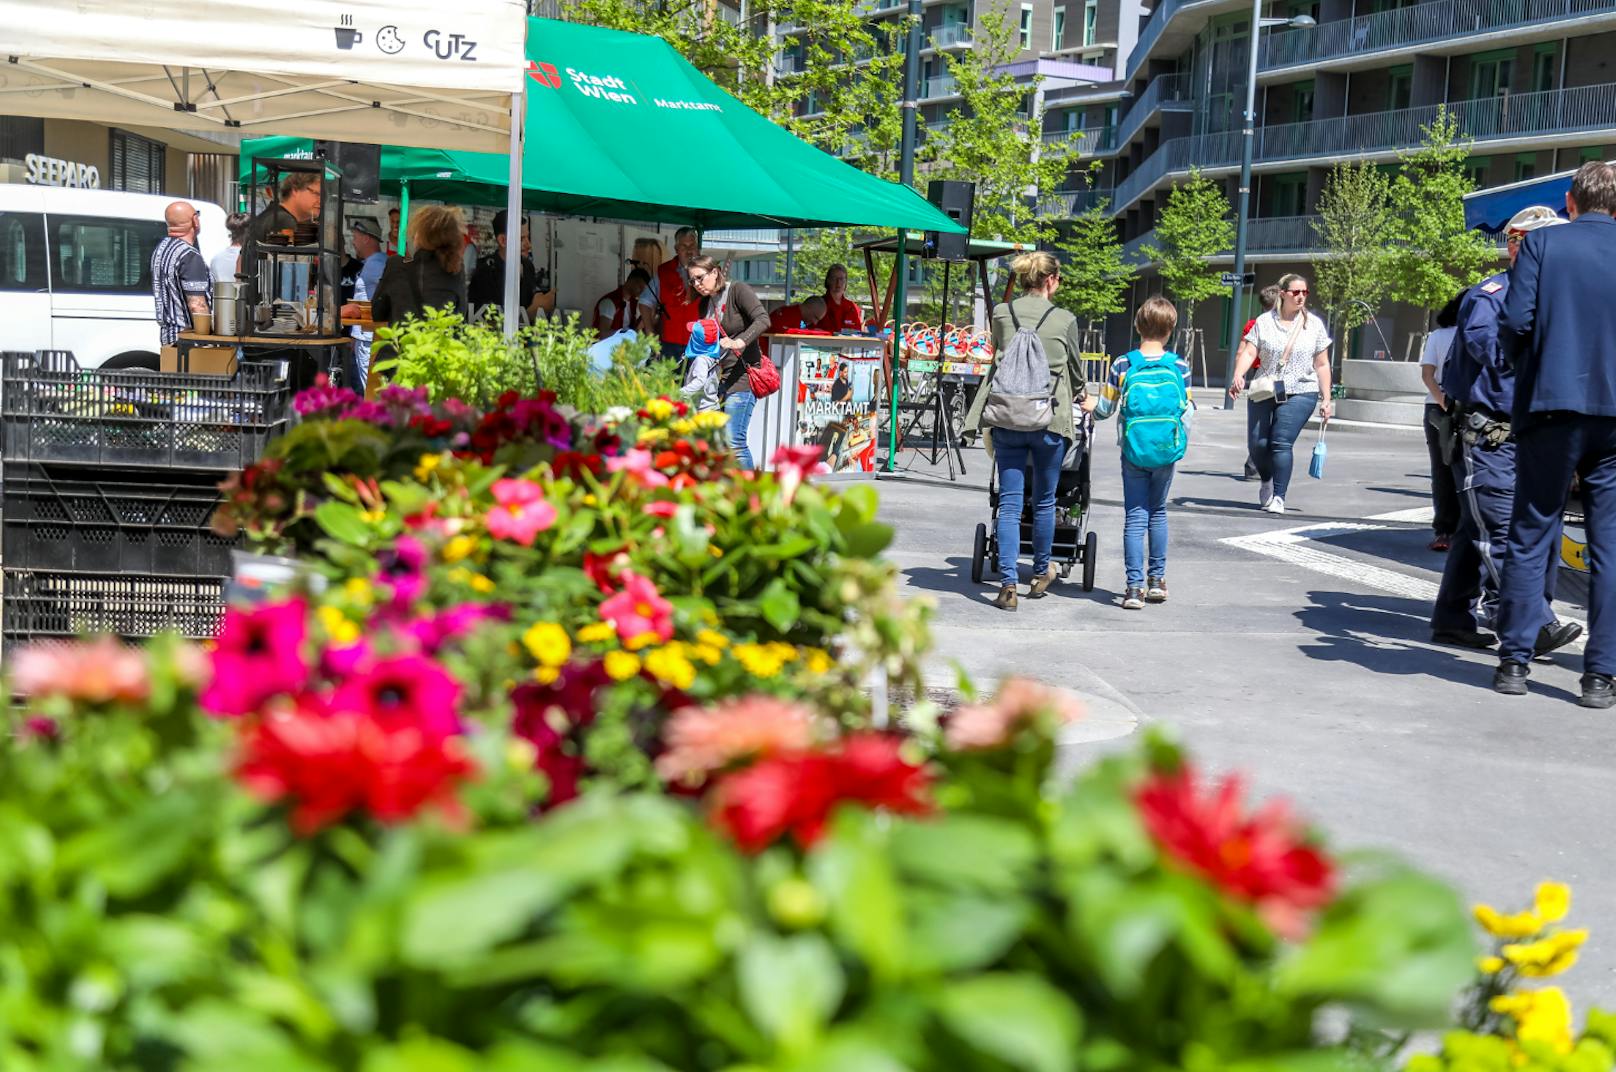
(55, 519)
(45, 603)
(55, 411)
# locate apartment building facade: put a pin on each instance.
(1532, 84)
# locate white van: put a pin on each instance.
(75, 271)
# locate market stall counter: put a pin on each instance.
(832, 388)
(305, 356)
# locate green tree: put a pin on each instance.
(1354, 230)
(1194, 226)
(1095, 277)
(1434, 255)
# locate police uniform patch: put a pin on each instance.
(1491, 288)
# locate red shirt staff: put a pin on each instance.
(840, 313)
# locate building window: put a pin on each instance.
(1399, 88)
(1592, 152)
(1302, 103)
(20, 136)
(1478, 169)
(1525, 166)
(1057, 38)
(1091, 22)
(137, 163)
(1026, 27)
(1543, 68)
(1290, 194)
(1491, 73)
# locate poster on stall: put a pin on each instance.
(838, 403)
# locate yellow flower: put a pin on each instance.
(425, 466)
(459, 548)
(1490, 965)
(548, 643)
(1519, 925)
(684, 427)
(818, 661)
(711, 419)
(520, 754)
(337, 627)
(1553, 901)
(371, 517)
(596, 633)
(786, 653)
(546, 675)
(670, 666)
(1547, 956)
(590, 500)
(652, 435)
(475, 581)
(715, 550)
(1539, 1015)
(359, 591)
(620, 665)
(712, 638)
(706, 653)
(660, 409)
(759, 660)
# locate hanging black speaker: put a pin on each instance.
(957, 200)
(361, 167)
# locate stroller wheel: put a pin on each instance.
(979, 553)
(1091, 556)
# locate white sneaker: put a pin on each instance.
(1276, 505)
(1265, 495)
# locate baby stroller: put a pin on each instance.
(1073, 542)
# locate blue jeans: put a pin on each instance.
(1012, 451)
(1144, 498)
(739, 406)
(1272, 429)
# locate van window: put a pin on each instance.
(102, 255)
(22, 251)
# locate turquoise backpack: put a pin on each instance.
(1155, 399)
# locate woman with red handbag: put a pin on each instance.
(745, 372)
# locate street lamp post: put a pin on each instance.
(1248, 140)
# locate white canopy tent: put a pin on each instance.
(446, 76)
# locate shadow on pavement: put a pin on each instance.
(1391, 635)
(954, 578)
(1413, 493)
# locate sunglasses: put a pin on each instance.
(1297, 293)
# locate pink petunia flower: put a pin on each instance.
(794, 465)
(1018, 703)
(403, 690)
(95, 671)
(259, 655)
(661, 508)
(640, 465)
(520, 512)
(638, 612)
(704, 740)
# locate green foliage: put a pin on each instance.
(476, 363)
(1193, 227)
(1355, 230)
(1434, 254)
(1094, 277)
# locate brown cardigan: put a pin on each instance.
(744, 319)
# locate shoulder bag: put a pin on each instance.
(762, 378)
(1262, 388)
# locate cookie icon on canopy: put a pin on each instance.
(389, 40)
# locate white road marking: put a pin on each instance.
(1296, 547)
(1419, 515)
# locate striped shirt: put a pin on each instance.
(1111, 391)
(178, 273)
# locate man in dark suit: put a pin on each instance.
(1558, 328)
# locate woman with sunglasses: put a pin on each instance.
(1295, 351)
(741, 319)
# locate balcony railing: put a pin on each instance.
(1090, 141)
(1523, 115)
(789, 63)
(1165, 12)
(1272, 234)
(1072, 202)
(1418, 24)
(1165, 91)
(943, 86)
(952, 33)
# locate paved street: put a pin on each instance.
(1295, 648)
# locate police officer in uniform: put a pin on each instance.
(1480, 387)
(1558, 329)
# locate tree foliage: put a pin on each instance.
(1095, 277)
(1434, 255)
(1193, 227)
(1354, 230)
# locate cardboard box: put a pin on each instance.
(206, 360)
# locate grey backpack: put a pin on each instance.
(1021, 391)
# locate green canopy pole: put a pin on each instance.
(906, 177)
(403, 216)
(514, 219)
(791, 260)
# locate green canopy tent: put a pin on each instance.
(620, 125)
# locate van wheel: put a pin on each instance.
(135, 359)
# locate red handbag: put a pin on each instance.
(763, 377)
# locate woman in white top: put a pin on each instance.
(1439, 432)
(1295, 349)
(224, 263)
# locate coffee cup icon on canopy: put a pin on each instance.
(348, 37)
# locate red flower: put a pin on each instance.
(794, 465)
(1261, 858)
(797, 794)
(572, 465)
(328, 766)
(606, 570)
(259, 655)
(550, 717)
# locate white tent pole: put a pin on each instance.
(513, 216)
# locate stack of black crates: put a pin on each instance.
(110, 483)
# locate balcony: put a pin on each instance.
(950, 34)
(789, 63)
(936, 88)
(1072, 202)
(1090, 140)
(1419, 24)
(1265, 237)
(1168, 92)
(1524, 116)
(1165, 12)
